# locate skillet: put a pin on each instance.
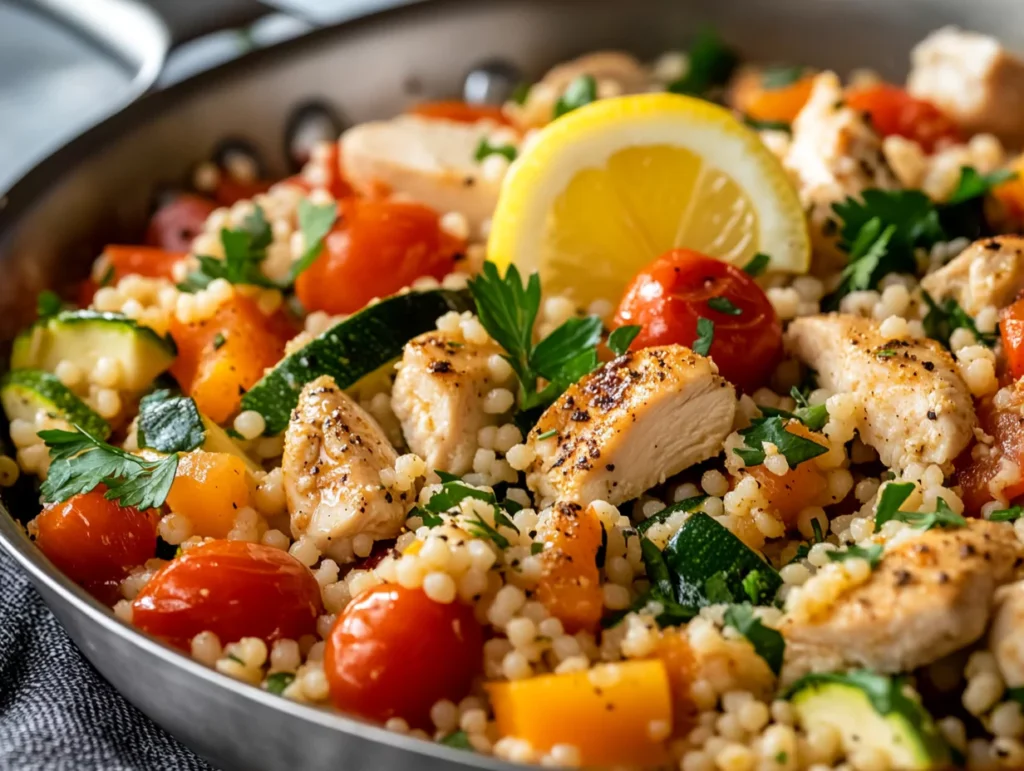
(97, 189)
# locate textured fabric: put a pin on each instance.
(56, 711)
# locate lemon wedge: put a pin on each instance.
(604, 190)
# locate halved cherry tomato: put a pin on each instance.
(895, 112)
(176, 223)
(1011, 329)
(394, 652)
(95, 541)
(669, 296)
(148, 261)
(461, 112)
(977, 468)
(375, 249)
(233, 588)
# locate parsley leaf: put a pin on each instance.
(872, 553)
(711, 63)
(705, 336)
(974, 185)
(278, 681)
(245, 249)
(485, 148)
(893, 496)
(80, 462)
(756, 586)
(1006, 515)
(1016, 694)
(814, 417)
(620, 339)
(780, 77)
(768, 125)
(797, 449)
(452, 493)
(170, 423)
(767, 642)
(716, 588)
(943, 319)
(521, 93)
(108, 276)
(48, 304)
(547, 434)
(724, 305)
(536, 548)
(219, 340)
(459, 740)
(757, 265)
(582, 91)
(315, 222)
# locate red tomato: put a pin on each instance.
(148, 261)
(668, 297)
(1011, 329)
(175, 224)
(395, 652)
(95, 541)
(976, 468)
(375, 249)
(461, 112)
(895, 112)
(233, 588)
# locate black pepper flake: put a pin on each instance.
(439, 367)
(928, 366)
(580, 416)
(610, 466)
(932, 415)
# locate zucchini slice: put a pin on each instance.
(26, 391)
(82, 337)
(351, 349)
(712, 566)
(871, 710)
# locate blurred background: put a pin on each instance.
(57, 77)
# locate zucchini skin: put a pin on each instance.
(351, 349)
(46, 389)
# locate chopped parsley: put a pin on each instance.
(547, 434)
(170, 422)
(452, 493)
(315, 222)
(716, 588)
(894, 495)
(521, 93)
(724, 305)
(80, 462)
(974, 185)
(756, 586)
(278, 681)
(108, 276)
(536, 548)
(1006, 515)
(711, 64)
(768, 125)
(582, 91)
(795, 448)
(758, 264)
(705, 336)
(219, 340)
(620, 339)
(779, 77)
(459, 740)
(819, 537)
(485, 148)
(872, 553)
(767, 642)
(944, 318)
(814, 417)
(48, 304)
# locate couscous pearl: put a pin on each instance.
(615, 597)
(445, 715)
(108, 403)
(275, 539)
(520, 456)
(498, 401)
(362, 544)
(714, 483)
(1006, 720)
(175, 528)
(982, 692)
(69, 373)
(9, 471)
(250, 424)
(206, 648)
(440, 587)
(515, 666)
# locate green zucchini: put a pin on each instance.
(83, 337)
(26, 391)
(871, 710)
(351, 349)
(711, 565)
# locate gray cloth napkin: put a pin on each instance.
(56, 711)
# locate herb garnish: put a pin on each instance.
(80, 462)
(1006, 515)
(459, 740)
(278, 681)
(711, 63)
(315, 222)
(485, 148)
(547, 434)
(48, 304)
(521, 93)
(219, 340)
(724, 305)
(893, 496)
(170, 422)
(705, 336)
(796, 448)
(781, 76)
(768, 125)
(767, 642)
(757, 265)
(945, 317)
(814, 417)
(872, 553)
(621, 338)
(453, 491)
(582, 91)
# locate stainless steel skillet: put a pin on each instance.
(97, 189)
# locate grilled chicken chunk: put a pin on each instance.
(333, 455)
(988, 272)
(425, 159)
(1006, 637)
(973, 79)
(630, 425)
(928, 597)
(912, 405)
(439, 398)
(834, 154)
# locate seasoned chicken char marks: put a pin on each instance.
(988, 272)
(912, 405)
(439, 398)
(928, 597)
(333, 455)
(630, 425)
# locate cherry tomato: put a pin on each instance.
(95, 541)
(175, 224)
(1011, 329)
(461, 112)
(375, 249)
(895, 112)
(233, 588)
(394, 652)
(669, 296)
(148, 261)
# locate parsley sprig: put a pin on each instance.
(1007, 515)
(580, 92)
(80, 462)
(48, 304)
(768, 643)
(452, 493)
(814, 417)
(944, 318)
(895, 494)
(711, 64)
(485, 148)
(872, 553)
(796, 448)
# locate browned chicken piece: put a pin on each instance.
(912, 405)
(630, 425)
(439, 398)
(973, 79)
(333, 455)
(988, 272)
(1006, 637)
(928, 597)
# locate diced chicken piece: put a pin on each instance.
(615, 72)
(1006, 637)
(973, 79)
(834, 154)
(911, 404)
(928, 597)
(988, 272)
(425, 159)
(630, 425)
(439, 398)
(333, 455)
